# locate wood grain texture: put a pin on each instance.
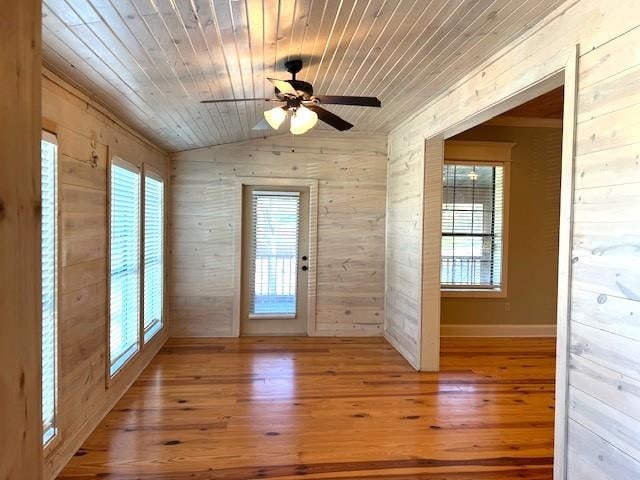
(329, 408)
(605, 222)
(403, 248)
(87, 137)
(20, 299)
(605, 261)
(351, 174)
(434, 151)
(164, 56)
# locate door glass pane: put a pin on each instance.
(274, 253)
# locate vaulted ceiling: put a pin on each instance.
(152, 61)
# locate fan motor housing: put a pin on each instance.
(304, 89)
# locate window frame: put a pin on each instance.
(151, 172)
(49, 134)
(122, 163)
(484, 154)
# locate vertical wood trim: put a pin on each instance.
(107, 327)
(237, 257)
(20, 299)
(313, 259)
(564, 265)
(431, 244)
(141, 263)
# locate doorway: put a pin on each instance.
(430, 326)
(275, 261)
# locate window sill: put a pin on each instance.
(51, 442)
(468, 293)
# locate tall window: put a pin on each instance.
(124, 326)
(49, 192)
(472, 226)
(153, 254)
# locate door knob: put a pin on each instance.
(305, 268)
(304, 258)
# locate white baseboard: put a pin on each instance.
(498, 330)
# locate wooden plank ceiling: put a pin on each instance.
(152, 61)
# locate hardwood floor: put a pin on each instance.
(327, 408)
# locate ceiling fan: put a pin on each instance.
(300, 104)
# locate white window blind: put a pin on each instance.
(274, 253)
(49, 193)
(153, 255)
(472, 224)
(124, 326)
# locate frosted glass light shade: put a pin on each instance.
(303, 120)
(275, 117)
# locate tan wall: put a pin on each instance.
(604, 339)
(82, 334)
(534, 216)
(351, 169)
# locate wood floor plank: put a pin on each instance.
(329, 408)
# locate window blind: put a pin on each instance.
(274, 253)
(124, 319)
(153, 255)
(472, 219)
(49, 285)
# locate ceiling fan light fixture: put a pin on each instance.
(275, 117)
(302, 120)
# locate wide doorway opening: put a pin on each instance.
(500, 223)
(500, 256)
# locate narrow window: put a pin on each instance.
(153, 255)
(49, 246)
(124, 322)
(472, 226)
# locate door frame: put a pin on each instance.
(429, 353)
(312, 185)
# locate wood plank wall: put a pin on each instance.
(604, 364)
(403, 286)
(351, 169)
(20, 410)
(82, 129)
(604, 377)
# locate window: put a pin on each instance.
(274, 253)
(49, 247)
(472, 226)
(153, 255)
(124, 322)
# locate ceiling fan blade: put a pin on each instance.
(284, 86)
(347, 100)
(229, 100)
(262, 125)
(330, 118)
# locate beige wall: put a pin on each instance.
(351, 170)
(82, 334)
(604, 378)
(534, 216)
